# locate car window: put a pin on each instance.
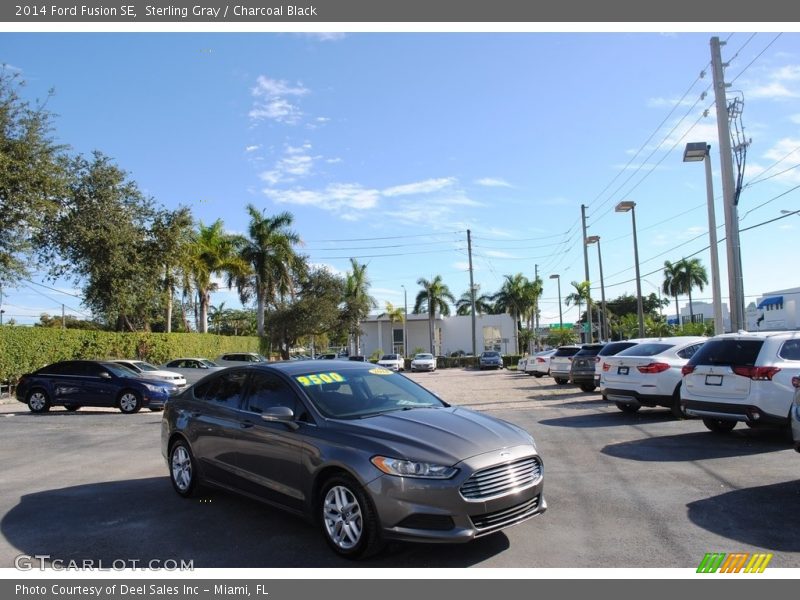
(790, 350)
(589, 351)
(728, 352)
(267, 391)
(566, 352)
(225, 390)
(650, 349)
(62, 368)
(689, 351)
(93, 370)
(615, 347)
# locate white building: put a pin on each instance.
(775, 311)
(703, 313)
(450, 334)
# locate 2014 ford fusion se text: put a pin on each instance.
(363, 451)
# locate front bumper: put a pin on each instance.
(423, 367)
(436, 511)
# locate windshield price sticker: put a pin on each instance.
(319, 379)
(381, 371)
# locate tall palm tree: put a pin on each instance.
(173, 233)
(514, 298)
(357, 300)
(672, 285)
(483, 303)
(582, 294)
(269, 252)
(216, 315)
(433, 297)
(692, 275)
(213, 253)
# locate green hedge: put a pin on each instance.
(25, 349)
(466, 362)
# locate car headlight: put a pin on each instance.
(411, 468)
(156, 389)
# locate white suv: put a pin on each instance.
(648, 374)
(742, 377)
(395, 362)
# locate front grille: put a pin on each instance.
(508, 516)
(502, 479)
(425, 521)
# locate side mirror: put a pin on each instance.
(105, 375)
(280, 414)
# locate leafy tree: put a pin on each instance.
(673, 284)
(69, 322)
(173, 233)
(34, 175)
(268, 250)
(395, 314)
(582, 294)
(103, 233)
(692, 275)
(357, 301)
(431, 298)
(518, 297)
(483, 303)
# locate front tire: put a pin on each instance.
(349, 521)
(129, 402)
(38, 401)
(72, 407)
(559, 380)
(588, 387)
(182, 469)
(719, 426)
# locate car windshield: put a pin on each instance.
(145, 366)
(389, 357)
(424, 356)
(121, 370)
(208, 363)
(365, 393)
(646, 349)
(491, 354)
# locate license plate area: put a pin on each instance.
(714, 380)
(622, 370)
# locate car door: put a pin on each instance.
(215, 425)
(100, 387)
(269, 453)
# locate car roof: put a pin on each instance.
(295, 367)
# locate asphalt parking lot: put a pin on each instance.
(623, 491)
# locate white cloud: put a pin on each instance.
(773, 89)
(464, 266)
(296, 163)
(252, 148)
(330, 268)
(420, 187)
(795, 118)
(498, 254)
(669, 102)
(272, 100)
(493, 182)
(780, 83)
(342, 197)
(331, 36)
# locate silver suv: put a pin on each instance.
(742, 377)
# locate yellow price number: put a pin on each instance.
(319, 379)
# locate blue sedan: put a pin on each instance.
(76, 383)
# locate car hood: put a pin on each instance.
(159, 382)
(161, 375)
(442, 435)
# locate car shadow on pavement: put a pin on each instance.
(700, 445)
(587, 398)
(742, 514)
(614, 418)
(144, 520)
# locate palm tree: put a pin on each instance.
(692, 275)
(213, 253)
(433, 297)
(270, 255)
(672, 284)
(357, 300)
(483, 303)
(216, 315)
(173, 233)
(582, 294)
(514, 298)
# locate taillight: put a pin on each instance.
(687, 369)
(606, 367)
(539, 360)
(757, 373)
(655, 367)
(796, 382)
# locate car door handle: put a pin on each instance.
(246, 424)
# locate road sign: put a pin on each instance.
(562, 326)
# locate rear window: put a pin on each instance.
(728, 352)
(589, 351)
(790, 350)
(615, 348)
(646, 349)
(566, 352)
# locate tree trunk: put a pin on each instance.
(691, 309)
(260, 314)
(677, 311)
(204, 300)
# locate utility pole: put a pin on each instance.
(590, 337)
(536, 311)
(735, 281)
(471, 292)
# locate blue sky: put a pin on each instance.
(388, 146)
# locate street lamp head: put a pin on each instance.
(625, 206)
(593, 239)
(555, 276)
(695, 151)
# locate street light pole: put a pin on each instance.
(696, 152)
(560, 315)
(595, 239)
(629, 206)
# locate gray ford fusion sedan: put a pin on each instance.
(361, 450)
